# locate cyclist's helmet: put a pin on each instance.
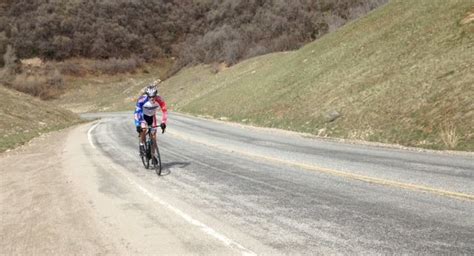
(151, 91)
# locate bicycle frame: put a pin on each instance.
(151, 153)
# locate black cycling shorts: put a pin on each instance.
(149, 120)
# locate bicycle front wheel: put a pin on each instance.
(156, 160)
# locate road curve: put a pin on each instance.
(245, 190)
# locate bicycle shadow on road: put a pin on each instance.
(167, 167)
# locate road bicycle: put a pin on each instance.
(152, 153)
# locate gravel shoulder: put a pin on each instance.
(41, 213)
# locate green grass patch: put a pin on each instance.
(23, 117)
(403, 74)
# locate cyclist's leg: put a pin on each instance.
(153, 134)
(143, 133)
(145, 126)
(142, 137)
(148, 123)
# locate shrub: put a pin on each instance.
(3, 46)
(36, 85)
(54, 79)
(12, 64)
(46, 84)
(71, 68)
(206, 31)
(256, 50)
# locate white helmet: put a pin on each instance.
(151, 91)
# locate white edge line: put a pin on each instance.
(89, 134)
(206, 229)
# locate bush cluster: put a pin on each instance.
(46, 86)
(195, 31)
(44, 81)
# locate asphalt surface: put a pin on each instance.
(270, 191)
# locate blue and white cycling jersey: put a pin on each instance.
(147, 106)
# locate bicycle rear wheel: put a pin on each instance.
(156, 160)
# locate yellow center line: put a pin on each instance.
(345, 174)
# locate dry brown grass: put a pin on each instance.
(449, 136)
(86, 93)
(218, 67)
(33, 62)
(112, 66)
(469, 18)
(35, 117)
(46, 86)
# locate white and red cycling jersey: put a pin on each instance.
(146, 110)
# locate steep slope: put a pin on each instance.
(119, 92)
(23, 117)
(403, 74)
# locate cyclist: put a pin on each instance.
(145, 113)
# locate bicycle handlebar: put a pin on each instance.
(157, 126)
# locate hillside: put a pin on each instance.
(192, 30)
(23, 117)
(403, 74)
(117, 92)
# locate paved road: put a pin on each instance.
(263, 191)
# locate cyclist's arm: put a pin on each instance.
(139, 110)
(162, 103)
